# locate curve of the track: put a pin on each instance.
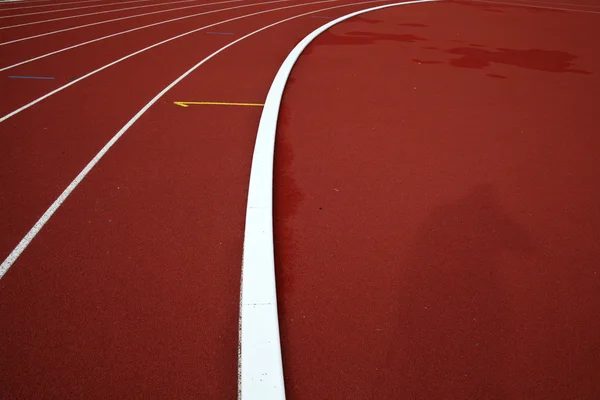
(18, 54)
(141, 18)
(132, 287)
(76, 13)
(82, 102)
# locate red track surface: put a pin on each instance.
(437, 220)
(436, 204)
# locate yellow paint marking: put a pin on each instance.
(215, 103)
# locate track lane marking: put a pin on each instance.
(273, 385)
(57, 90)
(113, 20)
(19, 2)
(71, 9)
(22, 245)
(46, 5)
(260, 371)
(90, 14)
(137, 29)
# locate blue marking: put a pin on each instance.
(31, 77)
(219, 33)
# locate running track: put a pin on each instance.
(436, 218)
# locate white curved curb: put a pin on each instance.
(260, 370)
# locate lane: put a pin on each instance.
(21, 13)
(260, 367)
(30, 145)
(15, 22)
(436, 207)
(28, 5)
(94, 55)
(17, 53)
(34, 32)
(132, 288)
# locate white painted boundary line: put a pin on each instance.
(38, 2)
(91, 14)
(14, 255)
(114, 20)
(260, 371)
(70, 9)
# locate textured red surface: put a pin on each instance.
(105, 9)
(21, 51)
(436, 207)
(437, 223)
(132, 288)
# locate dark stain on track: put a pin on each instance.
(540, 60)
(419, 61)
(367, 20)
(360, 38)
(498, 8)
(287, 196)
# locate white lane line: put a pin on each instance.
(14, 255)
(12, 2)
(536, 6)
(91, 14)
(113, 20)
(137, 29)
(70, 9)
(19, 2)
(260, 371)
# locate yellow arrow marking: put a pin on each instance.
(215, 103)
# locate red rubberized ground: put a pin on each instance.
(436, 202)
(437, 220)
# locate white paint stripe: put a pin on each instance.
(14, 255)
(71, 9)
(137, 29)
(260, 369)
(19, 2)
(23, 1)
(7, 2)
(113, 20)
(536, 6)
(90, 14)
